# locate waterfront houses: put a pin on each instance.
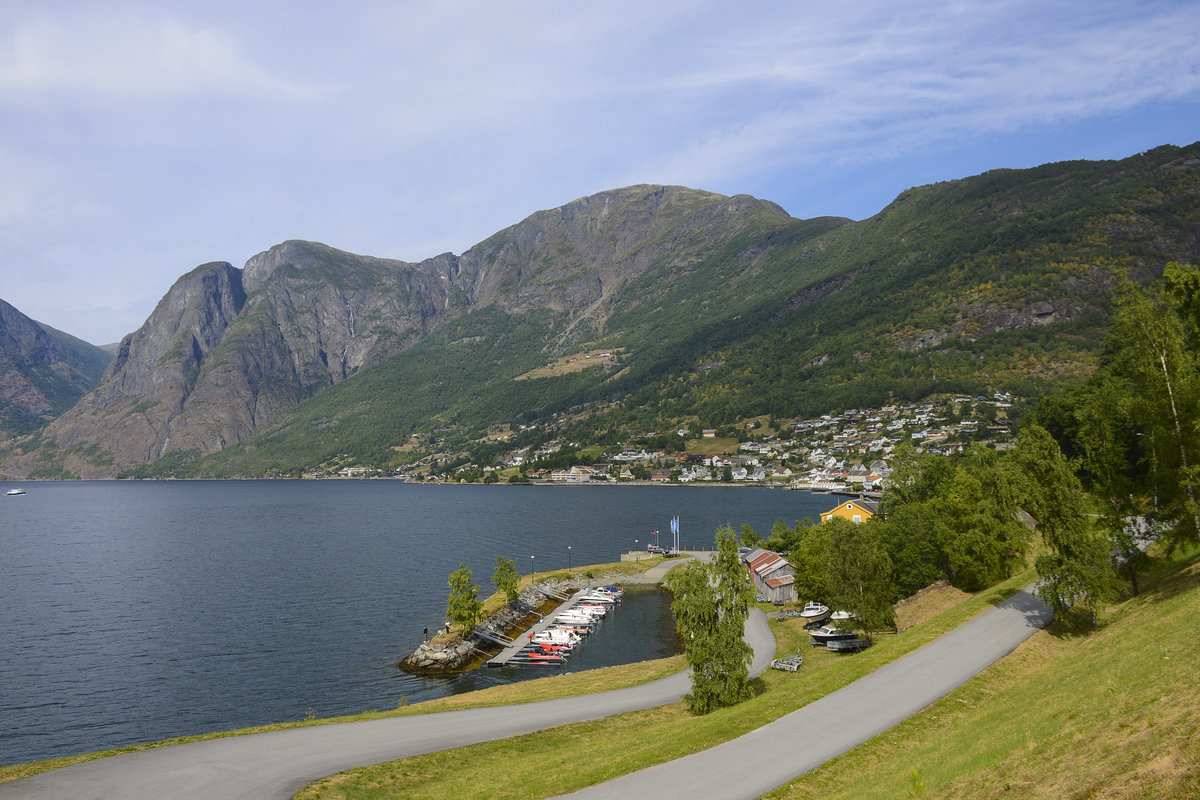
(835, 452)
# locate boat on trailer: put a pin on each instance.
(829, 633)
(814, 611)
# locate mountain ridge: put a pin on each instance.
(784, 314)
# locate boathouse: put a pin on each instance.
(772, 576)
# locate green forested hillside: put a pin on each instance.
(1005, 280)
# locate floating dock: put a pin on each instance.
(512, 653)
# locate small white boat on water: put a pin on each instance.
(15, 491)
(554, 636)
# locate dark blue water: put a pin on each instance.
(133, 612)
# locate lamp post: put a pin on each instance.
(568, 558)
(636, 555)
(531, 570)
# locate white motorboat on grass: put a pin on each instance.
(814, 611)
(829, 633)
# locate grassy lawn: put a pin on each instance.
(1115, 714)
(570, 757)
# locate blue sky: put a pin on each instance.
(139, 140)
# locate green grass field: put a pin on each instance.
(1114, 714)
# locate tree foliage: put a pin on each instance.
(859, 574)
(954, 518)
(711, 605)
(506, 578)
(1078, 565)
(1132, 427)
(463, 608)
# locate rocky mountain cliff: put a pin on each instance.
(42, 371)
(227, 350)
(709, 307)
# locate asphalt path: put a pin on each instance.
(277, 764)
(766, 758)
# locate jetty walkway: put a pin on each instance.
(651, 577)
(521, 641)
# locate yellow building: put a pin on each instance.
(857, 510)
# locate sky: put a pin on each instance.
(139, 140)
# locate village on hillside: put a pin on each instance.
(846, 452)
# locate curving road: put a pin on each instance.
(766, 758)
(277, 764)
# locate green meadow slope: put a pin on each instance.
(1115, 714)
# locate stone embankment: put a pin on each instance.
(454, 653)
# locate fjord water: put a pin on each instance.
(137, 611)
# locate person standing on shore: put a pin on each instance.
(425, 633)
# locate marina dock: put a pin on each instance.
(512, 652)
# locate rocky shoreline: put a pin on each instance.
(452, 653)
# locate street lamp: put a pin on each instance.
(568, 558)
(636, 554)
(531, 569)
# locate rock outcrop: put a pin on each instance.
(43, 372)
(227, 349)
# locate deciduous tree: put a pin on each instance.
(463, 607)
(506, 578)
(859, 574)
(1078, 569)
(712, 602)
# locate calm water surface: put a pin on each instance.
(132, 612)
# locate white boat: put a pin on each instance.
(840, 615)
(598, 597)
(554, 636)
(15, 491)
(814, 611)
(829, 633)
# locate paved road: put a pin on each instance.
(277, 764)
(775, 754)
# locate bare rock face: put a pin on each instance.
(227, 350)
(42, 371)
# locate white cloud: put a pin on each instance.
(911, 80)
(128, 56)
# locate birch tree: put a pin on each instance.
(712, 602)
(463, 607)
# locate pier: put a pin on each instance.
(513, 651)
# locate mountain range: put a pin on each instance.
(632, 309)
